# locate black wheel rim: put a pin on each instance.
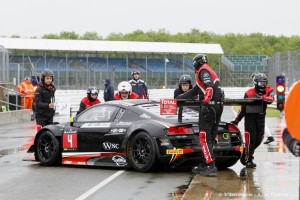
(141, 151)
(45, 148)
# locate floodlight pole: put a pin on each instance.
(166, 61)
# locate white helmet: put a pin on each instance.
(124, 86)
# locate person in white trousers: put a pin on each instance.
(269, 135)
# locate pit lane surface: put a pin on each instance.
(276, 177)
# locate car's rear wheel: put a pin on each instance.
(142, 154)
(48, 150)
(228, 163)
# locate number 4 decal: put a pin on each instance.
(69, 141)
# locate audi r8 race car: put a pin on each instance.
(133, 134)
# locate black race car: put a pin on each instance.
(132, 133)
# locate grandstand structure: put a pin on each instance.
(239, 69)
(78, 64)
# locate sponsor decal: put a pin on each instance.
(124, 123)
(110, 146)
(70, 131)
(95, 125)
(118, 130)
(119, 160)
(174, 151)
(205, 75)
(70, 141)
(168, 107)
(164, 142)
(145, 116)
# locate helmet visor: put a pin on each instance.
(262, 84)
(94, 91)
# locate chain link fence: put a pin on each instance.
(287, 64)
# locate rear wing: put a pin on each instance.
(253, 105)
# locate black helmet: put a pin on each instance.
(260, 82)
(135, 71)
(92, 90)
(199, 60)
(47, 72)
(185, 78)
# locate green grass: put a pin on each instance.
(271, 112)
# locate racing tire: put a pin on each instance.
(142, 153)
(48, 150)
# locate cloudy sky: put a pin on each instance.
(28, 18)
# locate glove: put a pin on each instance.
(268, 98)
(296, 148)
(207, 95)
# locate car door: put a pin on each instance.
(93, 124)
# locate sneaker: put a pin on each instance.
(199, 168)
(269, 140)
(250, 164)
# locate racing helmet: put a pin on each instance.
(124, 86)
(199, 60)
(135, 71)
(92, 90)
(185, 78)
(260, 82)
(47, 72)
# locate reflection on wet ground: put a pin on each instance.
(276, 176)
(11, 151)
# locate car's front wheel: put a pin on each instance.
(142, 154)
(48, 150)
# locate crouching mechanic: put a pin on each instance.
(210, 93)
(125, 92)
(254, 122)
(90, 100)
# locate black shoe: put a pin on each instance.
(209, 170)
(199, 168)
(250, 164)
(269, 140)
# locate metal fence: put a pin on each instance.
(4, 70)
(287, 64)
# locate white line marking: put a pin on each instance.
(100, 185)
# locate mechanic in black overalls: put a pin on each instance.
(44, 99)
(210, 93)
(255, 122)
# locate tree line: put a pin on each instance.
(232, 43)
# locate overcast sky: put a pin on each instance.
(28, 18)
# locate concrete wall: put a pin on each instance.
(16, 116)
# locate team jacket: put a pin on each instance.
(43, 96)
(86, 103)
(268, 98)
(140, 88)
(131, 96)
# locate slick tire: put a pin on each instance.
(142, 154)
(48, 149)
